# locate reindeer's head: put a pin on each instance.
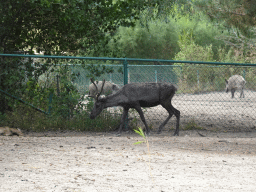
(99, 101)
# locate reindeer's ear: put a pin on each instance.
(226, 81)
(115, 87)
(91, 96)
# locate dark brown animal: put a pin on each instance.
(137, 95)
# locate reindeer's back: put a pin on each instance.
(149, 92)
(236, 82)
(167, 90)
(141, 90)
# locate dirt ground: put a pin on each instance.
(100, 162)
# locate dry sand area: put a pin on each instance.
(102, 162)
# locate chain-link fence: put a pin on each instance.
(136, 74)
(201, 97)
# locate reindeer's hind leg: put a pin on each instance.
(177, 115)
(171, 110)
(242, 93)
(164, 123)
(233, 92)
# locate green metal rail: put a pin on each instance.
(126, 59)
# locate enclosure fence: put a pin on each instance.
(201, 97)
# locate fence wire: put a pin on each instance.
(201, 97)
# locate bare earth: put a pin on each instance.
(100, 162)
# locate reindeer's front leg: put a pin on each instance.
(138, 108)
(242, 93)
(124, 115)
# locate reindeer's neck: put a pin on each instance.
(116, 99)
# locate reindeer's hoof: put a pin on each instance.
(176, 134)
(147, 133)
(159, 131)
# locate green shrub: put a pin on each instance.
(158, 40)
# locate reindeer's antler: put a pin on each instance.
(94, 84)
(103, 83)
(96, 89)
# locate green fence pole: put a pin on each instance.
(156, 76)
(125, 72)
(198, 79)
(125, 82)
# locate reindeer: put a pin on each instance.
(235, 82)
(108, 89)
(137, 95)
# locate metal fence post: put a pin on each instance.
(125, 71)
(197, 79)
(110, 76)
(125, 82)
(156, 76)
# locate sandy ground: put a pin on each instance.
(100, 162)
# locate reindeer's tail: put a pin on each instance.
(175, 87)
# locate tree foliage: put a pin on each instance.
(54, 27)
(156, 36)
(237, 13)
(239, 17)
(159, 40)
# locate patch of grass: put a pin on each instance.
(191, 125)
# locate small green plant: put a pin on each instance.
(141, 133)
(145, 140)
